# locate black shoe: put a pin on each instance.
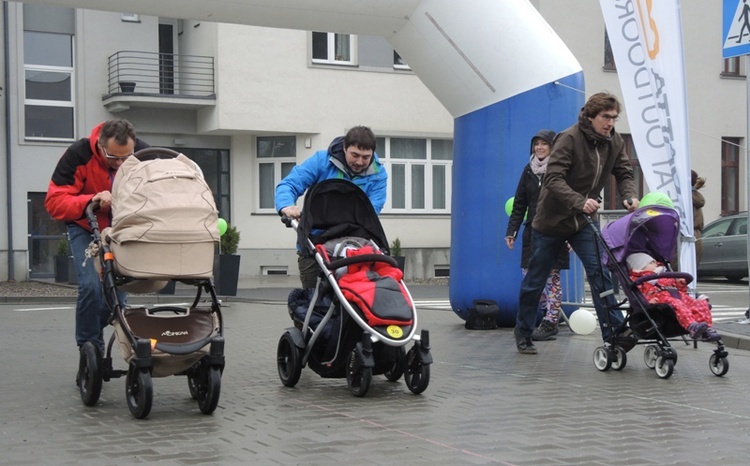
(626, 340)
(546, 331)
(524, 345)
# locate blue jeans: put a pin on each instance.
(92, 312)
(545, 250)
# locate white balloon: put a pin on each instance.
(582, 322)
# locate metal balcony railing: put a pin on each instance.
(160, 74)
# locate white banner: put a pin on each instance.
(646, 40)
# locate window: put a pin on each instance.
(611, 195)
(419, 174)
(44, 235)
(329, 47)
(48, 72)
(277, 156)
(730, 175)
(734, 66)
(609, 57)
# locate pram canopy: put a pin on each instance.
(652, 229)
(336, 208)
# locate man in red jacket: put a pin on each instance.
(83, 175)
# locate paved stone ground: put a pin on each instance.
(486, 404)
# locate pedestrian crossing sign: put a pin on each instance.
(736, 28)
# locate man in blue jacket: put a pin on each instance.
(352, 158)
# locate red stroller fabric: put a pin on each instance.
(376, 289)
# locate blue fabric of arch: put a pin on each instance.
(491, 147)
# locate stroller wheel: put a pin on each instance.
(719, 365)
(417, 373)
(397, 368)
(208, 395)
(357, 376)
(664, 367)
(139, 391)
(603, 358)
(89, 374)
(288, 360)
(649, 356)
(620, 359)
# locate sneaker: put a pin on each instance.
(711, 335)
(546, 331)
(524, 344)
(697, 329)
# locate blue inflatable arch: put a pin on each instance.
(481, 59)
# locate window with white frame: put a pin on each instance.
(419, 174)
(277, 156)
(332, 48)
(48, 89)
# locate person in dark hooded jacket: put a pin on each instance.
(352, 158)
(524, 209)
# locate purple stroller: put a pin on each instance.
(653, 230)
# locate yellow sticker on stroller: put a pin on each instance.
(395, 331)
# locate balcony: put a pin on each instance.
(159, 80)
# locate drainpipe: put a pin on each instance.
(8, 197)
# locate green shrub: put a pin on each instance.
(230, 240)
(396, 247)
(62, 247)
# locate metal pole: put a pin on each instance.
(747, 161)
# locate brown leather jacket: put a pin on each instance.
(579, 166)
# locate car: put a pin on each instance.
(725, 248)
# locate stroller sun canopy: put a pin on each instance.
(652, 229)
(335, 208)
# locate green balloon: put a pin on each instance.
(656, 198)
(222, 226)
(509, 205)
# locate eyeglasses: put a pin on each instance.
(114, 157)
(607, 117)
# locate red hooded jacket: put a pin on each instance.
(81, 173)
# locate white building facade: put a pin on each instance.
(247, 103)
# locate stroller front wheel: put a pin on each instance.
(620, 359)
(417, 373)
(649, 356)
(139, 391)
(208, 397)
(397, 368)
(664, 367)
(603, 358)
(358, 377)
(719, 365)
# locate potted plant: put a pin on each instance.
(61, 261)
(396, 253)
(227, 263)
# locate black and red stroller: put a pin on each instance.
(359, 318)
(164, 228)
(653, 230)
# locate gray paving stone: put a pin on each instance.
(486, 404)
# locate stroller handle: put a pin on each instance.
(152, 153)
(684, 275)
(361, 258)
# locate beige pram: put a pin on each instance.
(164, 228)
